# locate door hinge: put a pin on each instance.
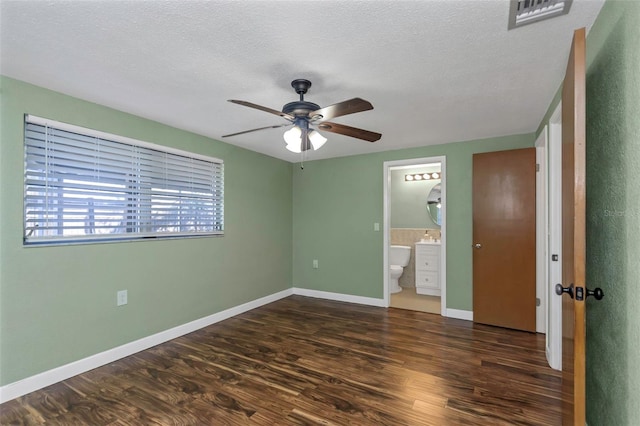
(537, 167)
(537, 301)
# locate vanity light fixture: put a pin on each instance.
(421, 176)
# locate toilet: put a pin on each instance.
(398, 258)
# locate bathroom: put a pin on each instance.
(415, 199)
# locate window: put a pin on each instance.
(81, 185)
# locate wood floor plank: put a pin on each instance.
(306, 361)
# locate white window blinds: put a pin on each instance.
(82, 185)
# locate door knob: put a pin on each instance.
(596, 292)
(568, 290)
(477, 245)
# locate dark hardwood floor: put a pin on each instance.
(310, 361)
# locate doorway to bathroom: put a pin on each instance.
(415, 222)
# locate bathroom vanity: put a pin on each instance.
(428, 268)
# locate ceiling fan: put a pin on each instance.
(306, 117)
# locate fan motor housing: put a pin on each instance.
(298, 108)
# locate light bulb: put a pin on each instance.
(426, 176)
(408, 177)
(317, 140)
(418, 177)
(292, 136)
(294, 147)
(435, 175)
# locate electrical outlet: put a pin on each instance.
(315, 263)
(122, 297)
(376, 226)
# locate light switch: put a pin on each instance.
(122, 297)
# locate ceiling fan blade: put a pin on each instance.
(265, 109)
(255, 130)
(349, 131)
(341, 108)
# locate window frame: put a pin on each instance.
(130, 195)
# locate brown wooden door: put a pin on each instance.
(573, 232)
(504, 239)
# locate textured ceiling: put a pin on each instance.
(435, 71)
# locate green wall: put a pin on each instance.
(337, 201)
(58, 304)
(613, 215)
(408, 200)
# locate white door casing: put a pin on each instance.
(387, 166)
(554, 311)
(542, 223)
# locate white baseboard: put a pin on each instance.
(340, 297)
(46, 378)
(460, 314)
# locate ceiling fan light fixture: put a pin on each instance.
(317, 140)
(302, 114)
(294, 147)
(292, 136)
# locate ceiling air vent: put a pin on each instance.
(523, 12)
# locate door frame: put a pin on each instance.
(542, 226)
(387, 165)
(554, 310)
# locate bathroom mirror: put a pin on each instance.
(433, 204)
